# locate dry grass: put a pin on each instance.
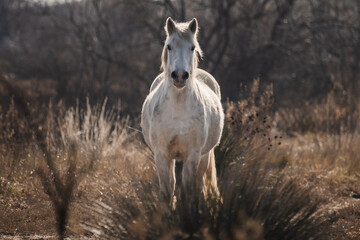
(96, 178)
(257, 205)
(336, 114)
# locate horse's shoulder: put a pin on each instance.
(155, 95)
(209, 80)
(157, 81)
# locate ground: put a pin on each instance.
(26, 212)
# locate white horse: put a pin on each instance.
(182, 117)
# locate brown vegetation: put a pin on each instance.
(304, 188)
(72, 159)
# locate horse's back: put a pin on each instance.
(201, 75)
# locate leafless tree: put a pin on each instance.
(112, 48)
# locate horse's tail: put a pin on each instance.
(210, 180)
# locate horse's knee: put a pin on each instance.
(166, 174)
(167, 188)
(189, 170)
(189, 173)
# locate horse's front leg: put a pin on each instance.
(189, 172)
(166, 172)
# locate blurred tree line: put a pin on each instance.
(99, 48)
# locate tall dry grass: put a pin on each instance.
(277, 180)
(324, 136)
(336, 114)
(61, 147)
(248, 125)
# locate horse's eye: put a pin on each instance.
(192, 48)
(169, 47)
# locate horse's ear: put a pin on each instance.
(193, 25)
(170, 26)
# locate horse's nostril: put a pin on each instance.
(174, 75)
(186, 76)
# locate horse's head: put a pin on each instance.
(181, 50)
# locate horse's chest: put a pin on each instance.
(180, 123)
(179, 128)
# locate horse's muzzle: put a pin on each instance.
(179, 78)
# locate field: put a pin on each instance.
(80, 173)
(74, 75)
